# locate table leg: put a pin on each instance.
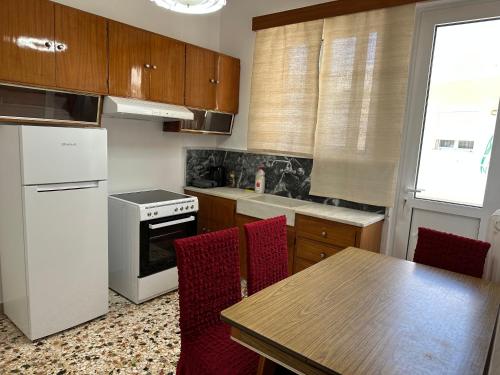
(266, 366)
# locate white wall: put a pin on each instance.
(237, 39)
(142, 156)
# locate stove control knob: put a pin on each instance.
(156, 213)
(182, 208)
(192, 207)
(187, 207)
(176, 210)
(149, 214)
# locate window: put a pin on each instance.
(461, 113)
(362, 100)
(344, 104)
(284, 95)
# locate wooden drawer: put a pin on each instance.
(314, 251)
(340, 235)
(300, 264)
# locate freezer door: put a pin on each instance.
(57, 155)
(67, 255)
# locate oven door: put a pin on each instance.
(157, 251)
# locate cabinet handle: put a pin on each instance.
(322, 255)
(211, 80)
(147, 66)
(155, 67)
(323, 234)
(217, 82)
(48, 44)
(60, 47)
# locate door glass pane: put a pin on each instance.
(461, 113)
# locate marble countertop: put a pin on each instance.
(224, 192)
(339, 214)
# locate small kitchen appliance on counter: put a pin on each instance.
(142, 228)
(218, 174)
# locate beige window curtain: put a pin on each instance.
(284, 95)
(362, 97)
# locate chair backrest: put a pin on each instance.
(267, 253)
(451, 252)
(209, 278)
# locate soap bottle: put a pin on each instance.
(260, 180)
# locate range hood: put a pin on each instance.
(144, 110)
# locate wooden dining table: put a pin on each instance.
(359, 312)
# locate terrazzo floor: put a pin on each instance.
(130, 339)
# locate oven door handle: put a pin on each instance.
(171, 223)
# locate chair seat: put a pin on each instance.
(214, 353)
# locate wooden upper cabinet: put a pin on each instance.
(168, 63)
(27, 42)
(81, 50)
(129, 61)
(201, 80)
(228, 84)
(212, 80)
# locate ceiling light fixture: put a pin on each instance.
(191, 6)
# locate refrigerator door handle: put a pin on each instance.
(67, 186)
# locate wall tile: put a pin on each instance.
(285, 176)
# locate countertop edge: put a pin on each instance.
(363, 224)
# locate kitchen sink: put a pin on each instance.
(266, 205)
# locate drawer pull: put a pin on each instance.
(322, 255)
(323, 234)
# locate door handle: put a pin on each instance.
(171, 223)
(67, 186)
(414, 190)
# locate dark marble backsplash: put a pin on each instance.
(285, 176)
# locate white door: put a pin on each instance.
(450, 171)
(67, 255)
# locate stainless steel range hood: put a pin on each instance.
(144, 110)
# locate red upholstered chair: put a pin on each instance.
(209, 282)
(451, 252)
(267, 253)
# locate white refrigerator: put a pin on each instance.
(53, 227)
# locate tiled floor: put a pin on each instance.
(130, 339)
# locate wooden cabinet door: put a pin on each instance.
(223, 211)
(81, 50)
(200, 78)
(168, 65)
(228, 84)
(27, 42)
(129, 61)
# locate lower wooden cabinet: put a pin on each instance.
(214, 213)
(317, 239)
